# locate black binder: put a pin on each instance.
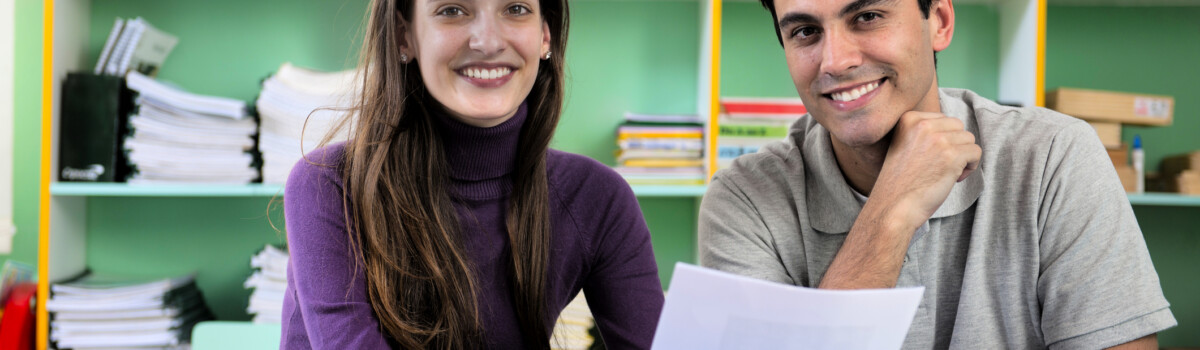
(92, 127)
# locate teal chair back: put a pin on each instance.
(227, 335)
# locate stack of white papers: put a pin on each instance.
(571, 331)
(269, 281)
(180, 137)
(299, 107)
(110, 312)
(710, 309)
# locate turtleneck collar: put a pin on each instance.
(480, 159)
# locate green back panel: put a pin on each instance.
(27, 129)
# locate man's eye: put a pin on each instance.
(517, 10)
(868, 17)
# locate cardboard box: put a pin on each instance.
(1109, 132)
(1108, 106)
(1119, 155)
(1187, 182)
(1128, 177)
(1173, 165)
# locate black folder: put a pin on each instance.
(92, 127)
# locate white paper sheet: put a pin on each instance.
(710, 309)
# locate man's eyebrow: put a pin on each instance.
(859, 5)
(793, 18)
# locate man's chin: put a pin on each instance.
(862, 138)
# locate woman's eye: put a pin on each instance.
(804, 32)
(451, 12)
(518, 10)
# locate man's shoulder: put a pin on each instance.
(1013, 126)
(777, 166)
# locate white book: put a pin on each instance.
(150, 105)
(152, 89)
(101, 285)
(663, 118)
(149, 312)
(149, 51)
(146, 323)
(113, 36)
(123, 46)
(114, 339)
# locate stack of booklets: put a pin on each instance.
(746, 124)
(268, 281)
(661, 150)
(106, 312)
(572, 330)
(180, 137)
(134, 45)
(299, 107)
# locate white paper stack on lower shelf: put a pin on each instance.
(298, 108)
(269, 281)
(179, 137)
(105, 312)
(572, 329)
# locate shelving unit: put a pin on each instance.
(260, 190)
(83, 189)
(1020, 76)
(71, 246)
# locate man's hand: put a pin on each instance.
(928, 154)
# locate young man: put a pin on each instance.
(1011, 218)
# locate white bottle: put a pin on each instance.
(1139, 166)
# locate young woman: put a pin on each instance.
(446, 222)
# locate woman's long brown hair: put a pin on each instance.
(400, 214)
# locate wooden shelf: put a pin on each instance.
(1164, 199)
(83, 189)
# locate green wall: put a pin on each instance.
(27, 117)
(639, 56)
(1153, 50)
(752, 62)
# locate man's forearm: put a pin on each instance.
(873, 252)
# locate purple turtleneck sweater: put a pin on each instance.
(600, 244)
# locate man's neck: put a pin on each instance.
(861, 165)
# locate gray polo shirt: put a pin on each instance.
(1037, 248)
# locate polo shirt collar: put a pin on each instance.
(830, 201)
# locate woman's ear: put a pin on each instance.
(404, 39)
(941, 24)
(545, 37)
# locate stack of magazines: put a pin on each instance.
(180, 137)
(269, 281)
(661, 149)
(750, 123)
(299, 107)
(110, 312)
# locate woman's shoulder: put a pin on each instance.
(577, 169)
(317, 169)
(576, 176)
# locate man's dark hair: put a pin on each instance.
(770, 5)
